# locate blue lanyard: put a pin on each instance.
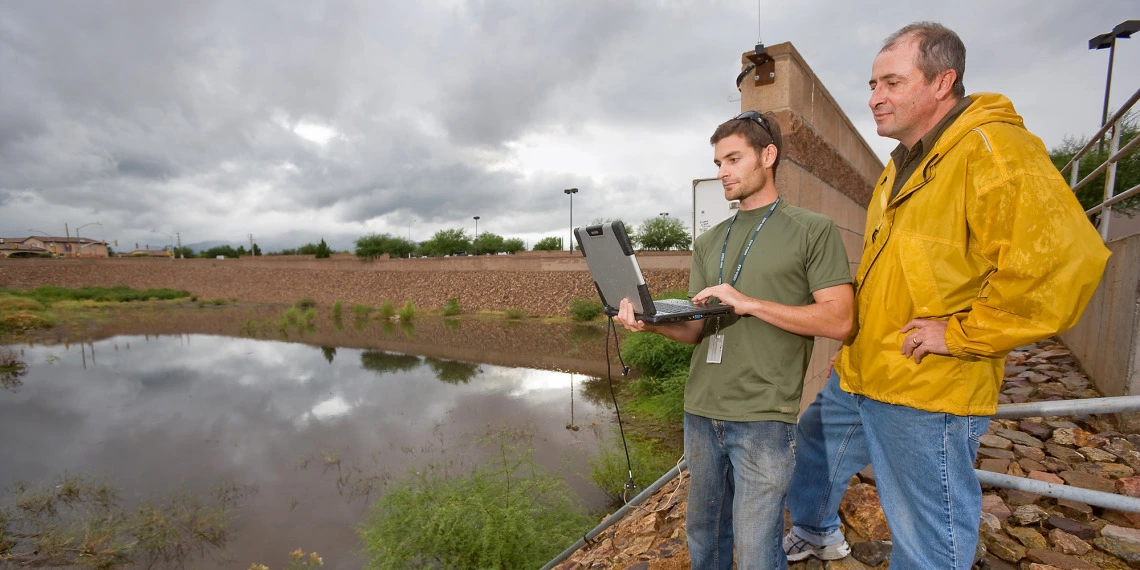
(723, 248)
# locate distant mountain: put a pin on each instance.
(201, 246)
(278, 242)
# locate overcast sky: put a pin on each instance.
(298, 120)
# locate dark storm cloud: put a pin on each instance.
(156, 117)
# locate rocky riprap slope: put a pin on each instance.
(1019, 530)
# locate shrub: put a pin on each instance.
(14, 303)
(387, 311)
(661, 398)
(49, 294)
(451, 307)
(585, 309)
(361, 310)
(515, 313)
(408, 312)
(338, 309)
(23, 320)
(656, 355)
(305, 303)
(508, 513)
(610, 472)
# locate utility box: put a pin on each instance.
(709, 206)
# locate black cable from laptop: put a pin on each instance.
(629, 484)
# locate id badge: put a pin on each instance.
(716, 346)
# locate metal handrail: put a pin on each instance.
(1108, 167)
(1111, 405)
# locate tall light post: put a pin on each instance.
(79, 241)
(664, 214)
(571, 192)
(1124, 29)
(476, 227)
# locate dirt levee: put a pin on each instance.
(536, 284)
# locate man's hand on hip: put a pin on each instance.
(924, 336)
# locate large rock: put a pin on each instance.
(1043, 556)
(1125, 551)
(1020, 438)
(1066, 454)
(1129, 535)
(861, 511)
(1003, 547)
(1028, 537)
(1129, 486)
(1088, 481)
(994, 505)
(871, 552)
(1070, 526)
(996, 442)
(1067, 543)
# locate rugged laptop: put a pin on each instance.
(610, 258)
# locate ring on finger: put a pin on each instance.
(915, 341)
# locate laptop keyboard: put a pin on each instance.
(670, 306)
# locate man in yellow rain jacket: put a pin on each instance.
(974, 246)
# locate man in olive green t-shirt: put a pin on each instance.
(784, 271)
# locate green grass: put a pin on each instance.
(48, 294)
(305, 303)
(507, 513)
(656, 355)
(610, 472)
(585, 309)
(515, 313)
(361, 311)
(338, 309)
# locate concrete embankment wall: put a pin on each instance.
(1107, 338)
(540, 284)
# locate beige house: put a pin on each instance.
(52, 245)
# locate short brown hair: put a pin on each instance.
(758, 138)
(939, 49)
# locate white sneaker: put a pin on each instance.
(799, 549)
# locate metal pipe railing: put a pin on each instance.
(1103, 129)
(617, 516)
(1086, 406)
(1069, 407)
(1108, 167)
(1086, 496)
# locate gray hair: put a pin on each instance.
(939, 49)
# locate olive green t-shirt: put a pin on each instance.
(761, 373)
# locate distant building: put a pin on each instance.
(149, 253)
(35, 246)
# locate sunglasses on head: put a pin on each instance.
(755, 116)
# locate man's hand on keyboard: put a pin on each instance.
(727, 294)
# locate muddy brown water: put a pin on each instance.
(313, 420)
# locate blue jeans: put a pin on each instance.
(740, 474)
(924, 471)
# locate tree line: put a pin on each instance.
(654, 234)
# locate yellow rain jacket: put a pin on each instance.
(985, 235)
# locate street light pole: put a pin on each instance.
(1124, 29)
(476, 227)
(79, 241)
(571, 192)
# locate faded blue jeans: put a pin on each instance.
(924, 472)
(740, 473)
